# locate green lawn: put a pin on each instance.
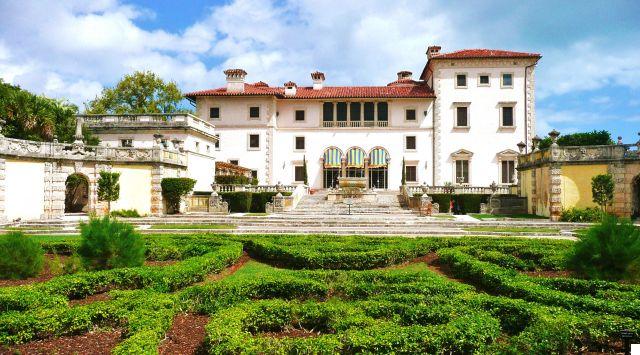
(24, 228)
(504, 216)
(513, 229)
(193, 226)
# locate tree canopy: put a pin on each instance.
(580, 139)
(140, 92)
(35, 117)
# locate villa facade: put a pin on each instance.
(459, 122)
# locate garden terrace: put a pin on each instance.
(326, 294)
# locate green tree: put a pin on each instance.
(140, 92)
(580, 139)
(602, 188)
(404, 173)
(173, 189)
(304, 167)
(108, 187)
(35, 117)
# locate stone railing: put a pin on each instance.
(147, 121)
(595, 153)
(459, 189)
(352, 124)
(32, 149)
(255, 188)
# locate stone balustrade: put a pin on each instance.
(49, 150)
(147, 121)
(587, 154)
(458, 189)
(254, 188)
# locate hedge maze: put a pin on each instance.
(324, 294)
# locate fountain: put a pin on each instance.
(352, 188)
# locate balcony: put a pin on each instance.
(147, 121)
(354, 124)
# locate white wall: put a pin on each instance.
(135, 188)
(24, 189)
(234, 145)
(484, 138)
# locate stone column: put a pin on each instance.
(58, 190)
(555, 206)
(366, 172)
(343, 167)
(157, 203)
(534, 192)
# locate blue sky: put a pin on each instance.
(588, 78)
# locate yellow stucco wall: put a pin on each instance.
(135, 188)
(24, 189)
(576, 184)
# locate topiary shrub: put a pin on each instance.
(609, 250)
(470, 203)
(106, 244)
(589, 214)
(232, 180)
(20, 256)
(238, 201)
(173, 189)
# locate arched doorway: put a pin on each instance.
(355, 162)
(635, 197)
(332, 160)
(76, 196)
(378, 168)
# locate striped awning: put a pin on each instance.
(378, 158)
(332, 158)
(355, 158)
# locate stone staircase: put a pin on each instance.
(317, 205)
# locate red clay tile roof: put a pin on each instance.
(484, 53)
(418, 90)
(261, 83)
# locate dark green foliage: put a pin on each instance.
(20, 256)
(580, 139)
(305, 177)
(173, 189)
(470, 202)
(232, 180)
(132, 213)
(108, 187)
(108, 244)
(602, 187)
(609, 250)
(244, 201)
(589, 214)
(403, 180)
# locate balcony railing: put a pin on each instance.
(353, 124)
(159, 120)
(596, 153)
(254, 188)
(460, 189)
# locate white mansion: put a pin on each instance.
(459, 122)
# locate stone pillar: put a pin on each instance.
(157, 203)
(343, 167)
(534, 192)
(58, 190)
(366, 172)
(2, 189)
(555, 206)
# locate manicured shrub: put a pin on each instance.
(232, 180)
(589, 214)
(108, 244)
(244, 201)
(609, 250)
(108, 187)
(126, 213)
(580, 139)
(20, 256)
(470, 203)
(173, 189)
(259, 200)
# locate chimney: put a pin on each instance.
(235, 79)
(433, 51)
(404, 75)
(318, 80)
(290, 88)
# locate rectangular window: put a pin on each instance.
(354, 107)
(483, 80)
(410, 143)
(234, 162)
(341, 111)
(299, 143)
(507, 116)
(411, 173)
(126, 143)
(410, 115)
(462, 116)
(383, 111)
(214, 112)
(368, 111)
(508, 171)
(197, 146)
(208, 148)
(462, 171)
(254, 174)
(507, 80)
(254, 112)
(299, 115)
(254, 141)
(327, 111)
(217, 144)
(298, 172)
(461, 80)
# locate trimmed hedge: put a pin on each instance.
(244, 201)
(470, 202)
(20, 256)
